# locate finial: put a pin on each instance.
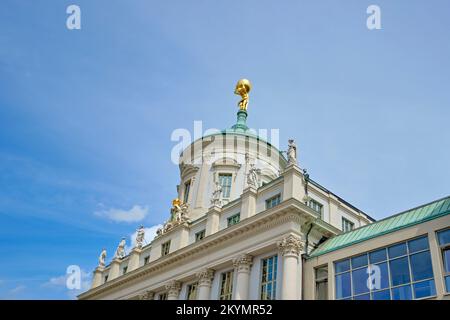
(243, 87)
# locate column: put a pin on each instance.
(173, 288)
(98, 277)
(242, 266)
(133, 263)
(147, 295)
(114, 270)
(290, 248)
(205, 278)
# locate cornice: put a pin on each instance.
(289, 210)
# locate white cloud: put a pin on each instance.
(17, 290)
(150, 234)
(135, 214)
(60, 283)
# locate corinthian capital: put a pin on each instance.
(205, 277)
(243, 263)
(147, 295)
(290, 245)
(173, 287)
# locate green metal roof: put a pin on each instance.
(396, 222)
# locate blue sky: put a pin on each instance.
(86, 115)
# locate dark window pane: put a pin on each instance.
(447, 283)
(421, 267)
(397, 250)
(343, 285)
(359, 278)
(424, 289)
(418, 244)
(444, 237)
(381, 295)
(399, 271)
(363, 297)
(359, 261)
(446, 258)
(342, 266)
(402, 293)
(377, 256)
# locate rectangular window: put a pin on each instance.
(225, 183)
(316, 206)
(233, 219)
(162, 296)
(124, 270)
(444, 244)
(146, 260)
(187, 187)
(226, 285)
(402, 271)
(347, 225)
(322, 283)
(192, 291)
(165, 248)
(269, 278)
(199, 235)
(274, 201)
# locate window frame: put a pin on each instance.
(442, 249)
(230, 219)
(186, 191)
(274, 277)
(227, 295)
(165, 248)
(273, 201)
(323, 279)
(349, 222)
(312, 203)
(200, 235)
(192, 286)
(228, 188)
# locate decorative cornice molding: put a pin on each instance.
(243, 263)
(290, 210)
(290, 246)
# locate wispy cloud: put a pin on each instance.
(60, 282)
(150, 234)
(135, 214)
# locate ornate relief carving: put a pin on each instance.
(243, 263)
(173, 288)
(205, 277)
(291, 245)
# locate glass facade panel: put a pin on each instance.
(359, 261)
(400, 272)
(378, 256)
(359, 281)
(225, 183)
(397, 250)
(343, 286)
(226, 285)
(421, 267)
(419, 244)
(342, 266)
(402, 293)
(381, 295)
(444, 237)
(424, 289)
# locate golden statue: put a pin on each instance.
(243, 87)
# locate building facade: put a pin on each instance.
(249, 223)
